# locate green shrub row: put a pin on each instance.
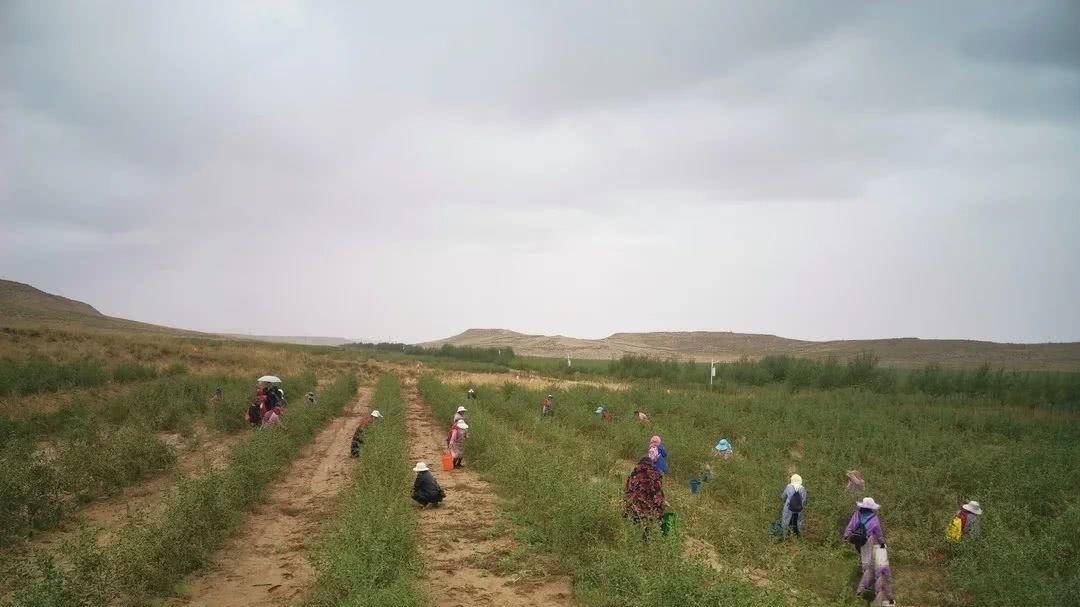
(571, 506)
(38, 375)
(369, 558)
(1061, 389)
(149, 556)
(921, 460)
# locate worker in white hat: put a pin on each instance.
(969, 515)
(361, 428)
(455, 442)
(426, 490)
(459, 415)
(793, 500)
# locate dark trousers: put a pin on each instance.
(795, 523)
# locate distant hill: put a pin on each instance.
(725, 346)
(24, 305)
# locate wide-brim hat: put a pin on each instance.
(599, 410)
(461, 409)
(420, 467)
(723, 445)
(868, 503)
(376, 413)
(973, 507)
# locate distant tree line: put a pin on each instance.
(498, 356)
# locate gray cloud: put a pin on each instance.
(820, 170)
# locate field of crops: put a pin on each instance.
(921, 456)
(124, 478)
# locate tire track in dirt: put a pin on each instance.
(458, 541)
(267, 561)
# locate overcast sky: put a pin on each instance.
(810, 169)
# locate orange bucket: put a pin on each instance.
(447, 461)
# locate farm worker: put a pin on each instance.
(661, 461)
(599, 410)
(254, 413)
(454, 442)
(273, 399)
(793, 498)
(641, 416)
(644, 498)
(723, 449)
(855, 483)
(471, 394)
(864, 532)
(261, 397)
(361, 428)
(272, 417)
(310, 396)
(459, 415)
(545, 407)
(965, 523)
(426, 489)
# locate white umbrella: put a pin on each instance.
(270, 379)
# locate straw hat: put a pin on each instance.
(973, 507)
(420, 467)
(796, 480)
(461, 409)
(868, 502)
(461, 424)
(376, 413)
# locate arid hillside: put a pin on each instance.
(724, 346)
(22, 305)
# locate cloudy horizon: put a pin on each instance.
(827, 170)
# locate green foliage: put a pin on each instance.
(922, 457)
(369, 558)
(29, 491)
(566, 491)
(21, 378)
(150, 555)
(497, 356)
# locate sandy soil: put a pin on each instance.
(461, 541)
(267, 561)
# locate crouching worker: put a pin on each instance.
(426, 489)
(358, 436)
(644, 498)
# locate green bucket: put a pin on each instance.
(668, 523)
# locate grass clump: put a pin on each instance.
(150, 555)
(569, 503)
(369, 558)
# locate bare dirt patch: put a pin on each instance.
(461, 540)
(267, 561)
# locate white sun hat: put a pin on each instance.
(376, 413)
(270, 379)
(796, 480)
(599, 409)
(868, 502)
(973, 507)
(461, 409)
(420, 467)
(461, 424)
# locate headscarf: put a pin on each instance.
(796, 481)
(654, 454)
(654, 441)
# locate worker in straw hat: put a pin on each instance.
(426, 489)
(361, 428)
(965, 523)
(792, 500)
(455, 442)
(459, 415)
(865, 533)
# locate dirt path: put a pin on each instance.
(460, 541)
(266, 562)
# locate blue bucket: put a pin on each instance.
(695, 486)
